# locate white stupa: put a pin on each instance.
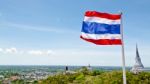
(138, 66)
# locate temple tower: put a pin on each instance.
(138, 66)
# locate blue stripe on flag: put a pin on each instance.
(100, 28)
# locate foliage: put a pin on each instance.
(85, 76)
(17, 82)
(8, 74)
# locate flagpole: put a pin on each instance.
(123, 54)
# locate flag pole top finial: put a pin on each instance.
(120, 12)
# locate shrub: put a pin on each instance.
(98, 77)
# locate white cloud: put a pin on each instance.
(49, 52)
(11, 50)
(35, 52)
(14, 50)
(40, 52)
(34, 28)
(1, 50)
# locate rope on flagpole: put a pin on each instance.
(123, 54)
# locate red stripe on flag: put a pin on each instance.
(104, 41)
(103, 15)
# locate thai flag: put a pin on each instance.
(101, 28)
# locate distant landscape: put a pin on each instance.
(58, 75)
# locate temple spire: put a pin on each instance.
(137, 52)
(138, 66)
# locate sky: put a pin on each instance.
(47, 32)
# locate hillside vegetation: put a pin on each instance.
(85, 76)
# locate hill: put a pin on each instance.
(85, 76)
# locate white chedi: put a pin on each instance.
(138, 67)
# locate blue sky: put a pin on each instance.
(46, 32)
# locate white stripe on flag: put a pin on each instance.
(101, 20)
(100, 36)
